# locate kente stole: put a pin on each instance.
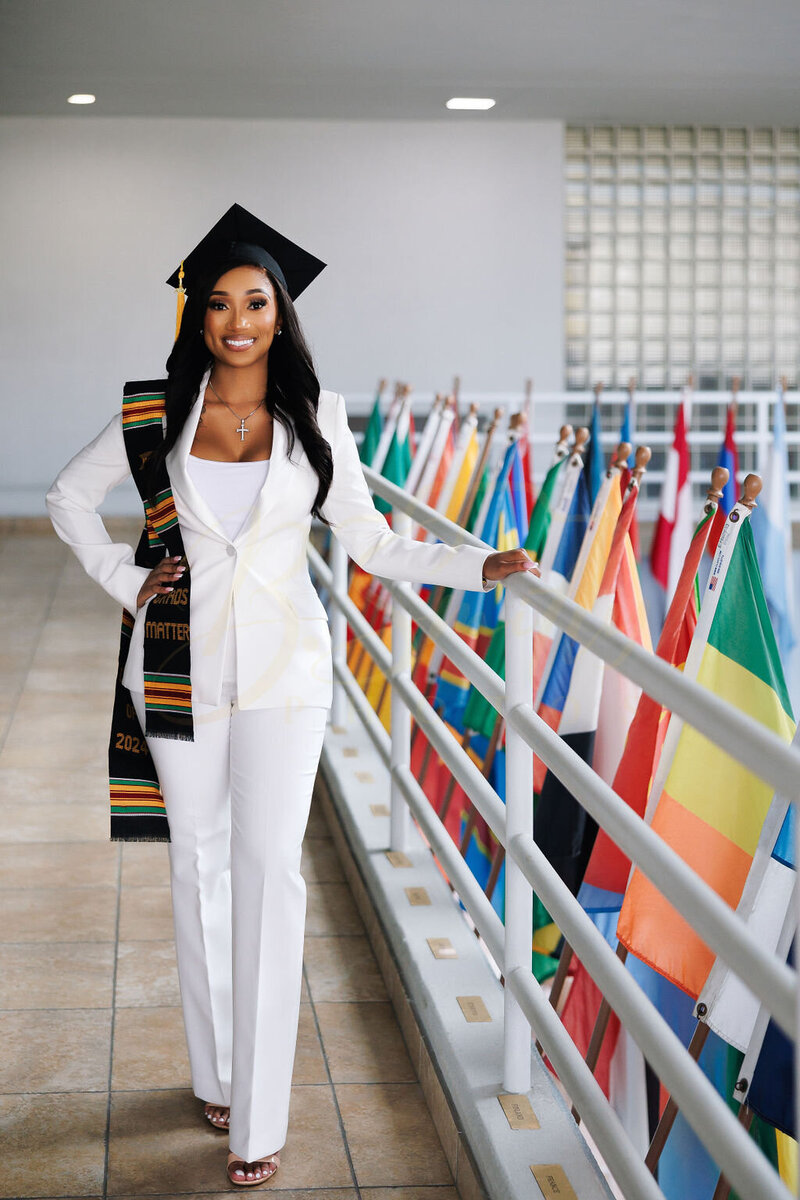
(137, 806)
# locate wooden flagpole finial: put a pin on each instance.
(582, 437)
(783, 383)
(450, 401)
(497, 417)
(562, 445)
(689, 383)
(382, 385)
(620, 456)
(719, 477)
(598, 388)
(750, 490)
(643, 456)
(473, 410)
(528, 390)
(514, 423)
(631, 385)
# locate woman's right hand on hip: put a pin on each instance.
(159, 580)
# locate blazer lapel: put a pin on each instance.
(177, 467)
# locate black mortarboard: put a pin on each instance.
(238, 234)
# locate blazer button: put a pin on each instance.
(231, 551)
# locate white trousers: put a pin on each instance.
(237, 801)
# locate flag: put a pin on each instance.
(768, 1068)
(628, 434)
(595, 464)
(583, 589)
(423, 448)
(673, 531)
(708, 807)
(465, 457)
(372, 434)
(767, 908)
(452, 686)
(565, 831)
(728, 458)
(397, 464)
(609, 868)
(772, 530)
(441, 452)
(543, 509)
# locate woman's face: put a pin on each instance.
(241, 318)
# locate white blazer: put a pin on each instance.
(282, 639)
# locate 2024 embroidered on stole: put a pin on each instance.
(137, 806)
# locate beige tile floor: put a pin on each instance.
(94, 1085)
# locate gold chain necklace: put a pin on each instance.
(241, 429)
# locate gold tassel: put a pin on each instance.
(181, 302)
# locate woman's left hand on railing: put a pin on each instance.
(503, 563)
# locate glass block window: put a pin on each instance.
(682, 257)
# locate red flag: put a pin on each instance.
(674, 527)
(608, 867)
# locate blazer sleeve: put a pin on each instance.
(72, 503)
(367, 537)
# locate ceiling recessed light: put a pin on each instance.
(470, 102)
(81, 98)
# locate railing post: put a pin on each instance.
(338, 632)
(400, 716)
(519, 820)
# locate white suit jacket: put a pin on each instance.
(282, 638)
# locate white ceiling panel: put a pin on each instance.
(673, 61)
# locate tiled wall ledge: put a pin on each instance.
(458, 1062)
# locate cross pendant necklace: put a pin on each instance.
(241, 428)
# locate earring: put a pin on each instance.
(278, 332)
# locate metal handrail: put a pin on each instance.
(719, 926)
(748, 742)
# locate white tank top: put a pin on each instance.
(230, 489)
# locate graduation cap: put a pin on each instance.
(240, 235)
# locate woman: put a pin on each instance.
(224, 686)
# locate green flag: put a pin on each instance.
(396, 467)
(372, 434)
(540, 517)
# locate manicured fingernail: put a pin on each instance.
(169, 589)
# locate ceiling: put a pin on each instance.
(664, 61)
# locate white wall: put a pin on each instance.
(443, 239)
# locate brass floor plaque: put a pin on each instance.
(473, 1008)
(519, 1111)
(442, 948)
(398, 859)
(380, 810)
(552, 1180)
(417, 895)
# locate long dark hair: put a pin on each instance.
(292, 385)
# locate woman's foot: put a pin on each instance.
(250, 1174)
(218, 1115)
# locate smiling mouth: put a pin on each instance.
(238, 343)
